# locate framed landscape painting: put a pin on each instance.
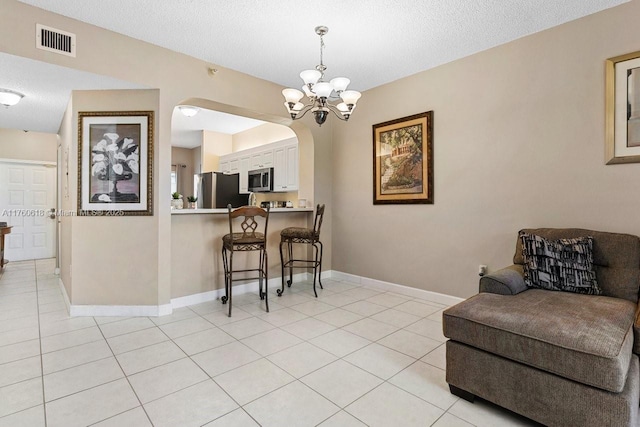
(403, 160)
(622, 120)
(115, 152)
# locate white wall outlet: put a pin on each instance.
(482, 269)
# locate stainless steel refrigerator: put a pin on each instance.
(217, 190)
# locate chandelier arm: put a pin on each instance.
(304, 111)
(336, 112)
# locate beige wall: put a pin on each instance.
(196, 159)
(114, 259)
(183, 156)
(518, 142)
(153, 67)
(66, 170)
(214, 145)
(19, 145)
(260, 135)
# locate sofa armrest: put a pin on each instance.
(508, 281)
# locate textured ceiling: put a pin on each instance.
(370, 41)
(47, 89)
(186, 131)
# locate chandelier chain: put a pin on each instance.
(321, 50)
(321, 66)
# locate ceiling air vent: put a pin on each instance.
(54, 40)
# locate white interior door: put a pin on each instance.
(27, 195)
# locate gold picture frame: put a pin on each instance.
(622, 111)
(115, 163)
(403, 160)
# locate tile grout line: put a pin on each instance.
(275, 327)
(216, 383)
(205, 372)
(44, 403)
(125, 376)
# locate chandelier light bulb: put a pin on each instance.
(310, 77)
(323, 89)
(340, 84)
(292, 95)
(350, 97)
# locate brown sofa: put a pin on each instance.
(559, 358)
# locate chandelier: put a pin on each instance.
(320, 93)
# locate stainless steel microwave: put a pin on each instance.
(261, 180)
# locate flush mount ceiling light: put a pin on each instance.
(188, 110)
(9, 97)
(321, 92)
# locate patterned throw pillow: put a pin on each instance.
(560, 265)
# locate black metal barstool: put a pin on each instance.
(307, 236)
(247, 240)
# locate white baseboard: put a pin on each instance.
(166, 309)
(237, 290)
(399, 289)
(112, 310)
(64, 293)
(120, 310)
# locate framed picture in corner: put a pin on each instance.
(403, 160)
(115, 163)
(622, 119)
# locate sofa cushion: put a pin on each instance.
(559, 265)
(636, 333)
(616, 258)
(583, 338)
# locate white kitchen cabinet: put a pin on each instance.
(282, 157)
(292, 167)
(285, 168)
(245, 163)
(234, 165)
(224, 166)
(261, 159)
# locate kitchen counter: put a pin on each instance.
(225, 211)
(196, 245)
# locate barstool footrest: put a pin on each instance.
(306, 263)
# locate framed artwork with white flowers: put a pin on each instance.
(115, 154)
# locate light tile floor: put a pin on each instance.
(353, 357)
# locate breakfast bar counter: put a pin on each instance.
(196, 245)
(224, 211)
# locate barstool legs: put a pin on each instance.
(281, 290)
(228, 278)
(225, 263)
(265, 267)
(290, 247)
(320, 265)
(317, 265)
(263, 278)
